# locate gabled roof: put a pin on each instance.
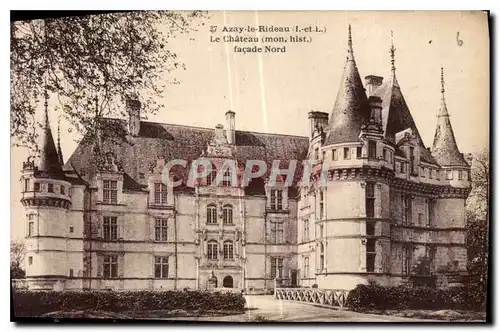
(351, 107)
(444, 147)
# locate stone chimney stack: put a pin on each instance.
(133, 106)
(372, 82)
(318, 121)
(230, 133)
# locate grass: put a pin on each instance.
(445, 315)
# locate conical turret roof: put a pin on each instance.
(444, 148)
(48, 163)
(351, 107)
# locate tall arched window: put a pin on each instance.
(227, 215)
(211, 214)
(212, 249)
(211, 176)
(228, 250)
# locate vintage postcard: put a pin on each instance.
(251, 166)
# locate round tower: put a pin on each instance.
(46, 196)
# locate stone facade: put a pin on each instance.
(379, 205)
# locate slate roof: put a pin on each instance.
(173, 141)
(49, 163)
(351, 106)
(444, 147)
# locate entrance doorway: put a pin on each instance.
(293, 276)
(227, 282)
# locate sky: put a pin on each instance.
(273, 92)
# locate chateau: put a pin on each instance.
(379, 206)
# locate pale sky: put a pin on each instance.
(272, 92)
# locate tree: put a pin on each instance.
(477, 212)
(17, 254)
(91, 65)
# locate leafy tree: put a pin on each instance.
(90, 65)
(477, 211)
(17, 254)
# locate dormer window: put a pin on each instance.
(37, 186)
(160, 194)
(372, 149)
(110, 191)
(26, 184)
(276, 199)
(347, 153)
(334, 154)
(211, 176)
(226, 181)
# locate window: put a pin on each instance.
(370, 199)
(305, 236)
(412, 160)
(321, 204)
(71, 273)
(431, 173)
(430, 211)
(407, 209)
(420, 218)
(402, 167)
(406, 260)
(422, 172)
(227, 216)
(142, 176)
(370, 228)
(358, 152)
(161, 194)
(277, 232)
(37, 186)
(161, 227)
(211, 214)
(110, 266)
(323, 155)
(50, 187)
(110, 192)
(63, 190)
(26, 184)
(460, 175)
(211, 176)
(386, 155)
(321, 256)
(161, 267)
(334, 154)
(71, 229)
(370, 255)
(347, 153)
(305, 271)
(30, 260)
(449, 174)
(110, 228)
(212, 249)
(372, 149)
(276, 199)
(276, 267)
(226, 181)
(31, 228)
(228, 250)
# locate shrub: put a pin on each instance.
(374, 296)
(34, 303)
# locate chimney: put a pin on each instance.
(230, 134)
(376, 109)
(133, 106)
(372, 82)
(317, 123)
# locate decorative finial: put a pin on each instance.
(392, 51)
(350, 52)
(59, 131)
(442, 80)
(46, 106)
